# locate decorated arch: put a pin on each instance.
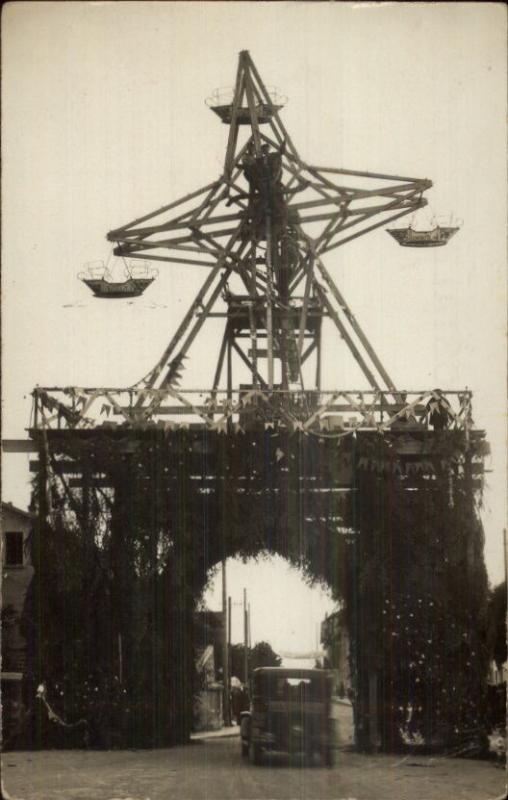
(131, 523)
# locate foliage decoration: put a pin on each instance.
(123, 552)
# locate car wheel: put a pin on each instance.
(255, 753)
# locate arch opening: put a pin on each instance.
(286, 606)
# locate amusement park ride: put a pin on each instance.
(261, 231)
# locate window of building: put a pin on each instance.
(13, 549)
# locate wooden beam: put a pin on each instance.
(169, 259)
(233, 125)
(325, 201)
(168, 243)
(220, 362)
(252, 109)
(347, 338)
(248, 363)
(19, 446)
(254, 345)
(423, 182)
(308, 352)
(340, 408)
(198, 302)
(373, 227)
(209, 199)
(306, 297)
(197, 325)
(229, 363)
(275, 117)
(197, 223)
(228, 181)
(355, 325)
(269, 299)
(120, 231)
(367, 211)
(318, 357)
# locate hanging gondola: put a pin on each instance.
(436, 236)
(221, 102)
(99, 279)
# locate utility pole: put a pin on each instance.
(229, 635)
(225, 651)
(505, 553)
(120, 659)
(249, 638)
(245, 640)
(505, 556)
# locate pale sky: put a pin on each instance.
(284, 610)
(104, 120)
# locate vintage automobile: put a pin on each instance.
(290, 714)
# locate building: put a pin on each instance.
(17, 572)
(335, 641)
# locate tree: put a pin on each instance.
(261, 655)
(497, 652)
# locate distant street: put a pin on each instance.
(213, 769)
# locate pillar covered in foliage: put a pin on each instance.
(417, 593)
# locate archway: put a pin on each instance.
(286, 608)
(122, 558)
(255, 612)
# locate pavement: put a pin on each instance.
(212, 768)
(220, 733)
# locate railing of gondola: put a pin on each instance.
(224, 96)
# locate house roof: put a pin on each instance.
(15, 510)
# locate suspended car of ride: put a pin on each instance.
(101, 280)
(436, 236)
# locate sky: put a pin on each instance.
(283, 609)
(104, 120)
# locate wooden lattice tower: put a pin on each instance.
(268, 220)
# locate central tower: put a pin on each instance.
(262, 229)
